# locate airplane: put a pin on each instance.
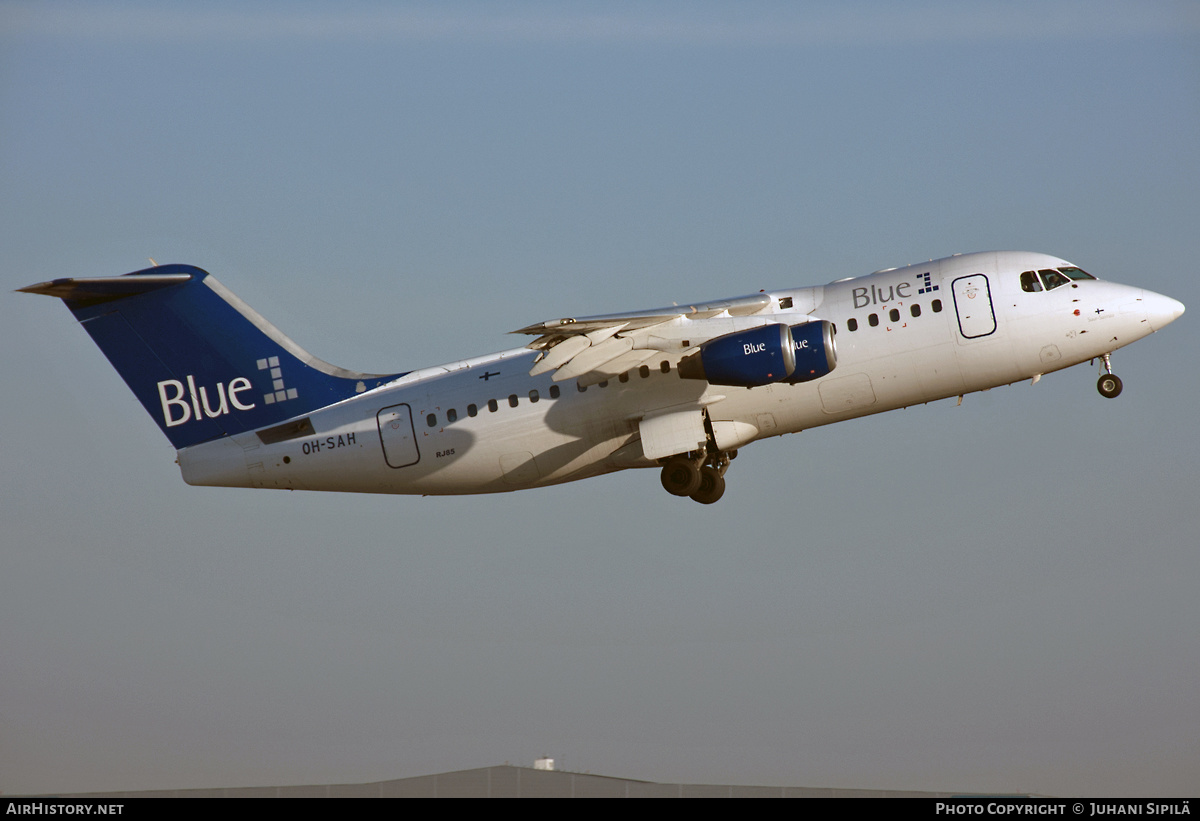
(680, 389)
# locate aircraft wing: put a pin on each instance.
(593, 349)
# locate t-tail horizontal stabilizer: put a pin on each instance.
(203, 363)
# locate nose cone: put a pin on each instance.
(1161, 310)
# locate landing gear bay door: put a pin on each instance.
(669, 432)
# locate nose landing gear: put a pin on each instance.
(1109, 383)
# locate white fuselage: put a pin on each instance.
(904, 336)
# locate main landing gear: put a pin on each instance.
(701, 478)
(1109, 383)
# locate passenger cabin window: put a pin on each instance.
(873, 320)
(533, 396)
(431, 420)
(493, 405)
(915, 310)
(624, 377)
(512, 400)
(581, 388)
(852, 324)
(1030, 283)
(644, 371)
(936, 305)
(472, 410)
(665, 367)
(554, 391)
(452, 415)
(894, 315)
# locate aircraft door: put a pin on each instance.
(973, 303)
(397, 437)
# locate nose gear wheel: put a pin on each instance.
(1109, 384)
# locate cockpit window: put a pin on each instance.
(1076, 273)
(1030, 282)
(1053, 279)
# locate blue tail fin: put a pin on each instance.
(201, 361)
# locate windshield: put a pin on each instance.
(1053, 279)
(1033, 281)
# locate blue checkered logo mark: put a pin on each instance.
(279, 393)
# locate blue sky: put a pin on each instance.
(997, 597)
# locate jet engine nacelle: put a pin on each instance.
(764, 355)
